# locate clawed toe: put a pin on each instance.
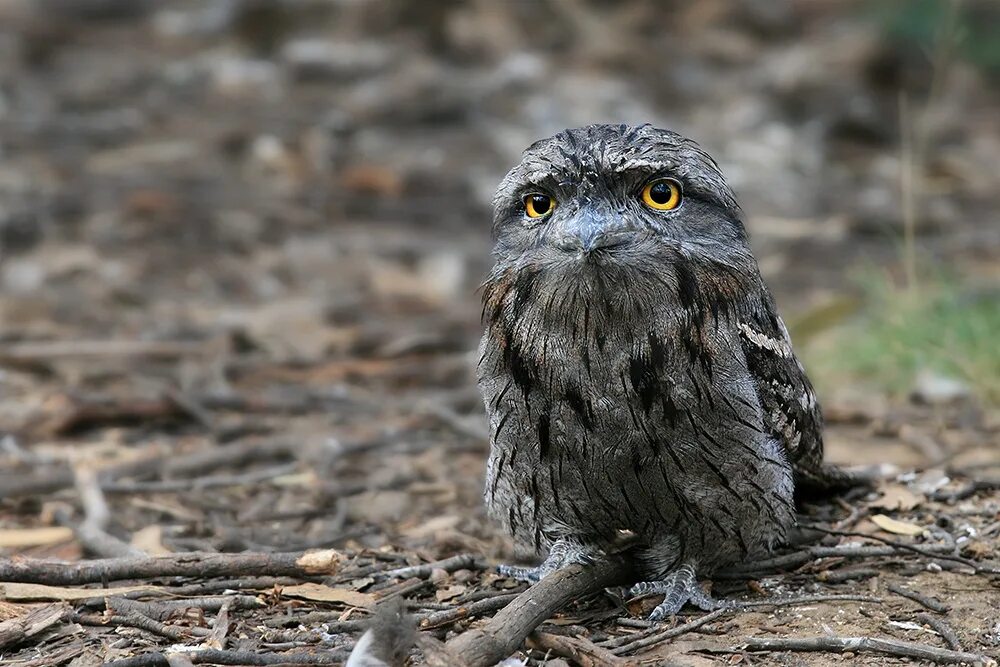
(664, 611)
(679, 587)
(561, 554)
(530, 574)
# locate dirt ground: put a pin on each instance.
(241, 243)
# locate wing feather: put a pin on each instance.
(791, 412)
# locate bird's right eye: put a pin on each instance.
(538, 205)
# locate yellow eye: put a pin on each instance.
(538, 205)
(662, 194)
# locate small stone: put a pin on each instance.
(244, 77)
(213, 18)
(931, 388)
(322, 59)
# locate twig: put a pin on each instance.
(14, 631)
(847, 574)
(164, 609)
(581, 651)
(942, 628)
(201, 565)
(329, 618)
(652, 628)
(798, 558)
(202, 483)
(78, 414)
(197, 463)
(47, 351)
(858, 644)
(505, 632)
(171, 632)
(460, 562)
(220, 631)
(217, 657)
(190, 406)
(810, 599)
(629, 643)
(197, 590)
(403, 588)
(932, 551)
(228, 456)
(966, 490)
(446, 617)
(925, 600)
(91, 531)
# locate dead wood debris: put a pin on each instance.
(175, 606)
(202, 565)
(579, 649)
(942, 628)
(462, 612)
(219, 657)
(891, 647)
(504, 633)
(925, 600)
(622, 647)
(23, 628)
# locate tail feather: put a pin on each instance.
(828, 480)
(388, 640)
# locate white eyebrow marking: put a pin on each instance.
(641, 163)
(538, 176)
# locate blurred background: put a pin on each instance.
(258, 227)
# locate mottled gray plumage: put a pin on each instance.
(636, 374)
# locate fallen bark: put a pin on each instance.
(14, 631)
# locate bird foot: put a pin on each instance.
(679, 587)
(561, 554)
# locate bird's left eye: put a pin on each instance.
(538, 205)
(662, 194)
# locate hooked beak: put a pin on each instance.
(587, 232)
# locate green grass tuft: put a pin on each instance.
(943, 328)
(918, 22)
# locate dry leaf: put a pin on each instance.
(449, 593)
(37, 592)
(321, 593)
(977, 550)
(897, 497)
(150, 540)
(434, 525)
(896, 526)
(34, 537)
(358, 584)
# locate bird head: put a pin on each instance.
(616, 201)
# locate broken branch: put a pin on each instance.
(506, 631)
(194, 564)
(891, 647)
